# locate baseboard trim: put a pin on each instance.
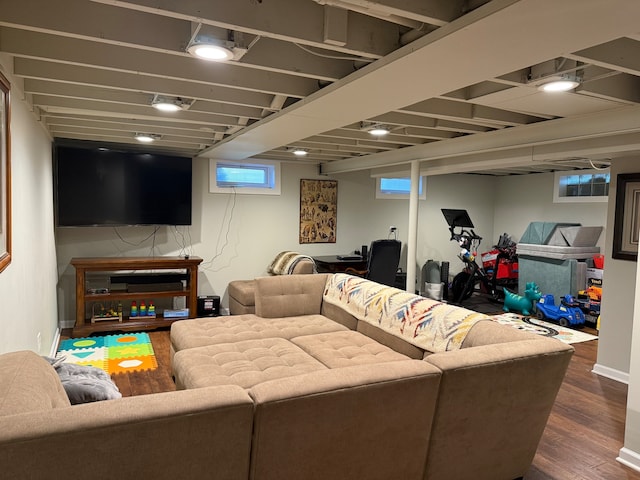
(611, 373)
(629, 458)
(54, 345)
(67, 324)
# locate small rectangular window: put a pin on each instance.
(250, 178)
(583, 186)
(398, 188)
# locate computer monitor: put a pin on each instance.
(457, 218)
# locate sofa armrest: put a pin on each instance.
(184, 434)
(493, 404)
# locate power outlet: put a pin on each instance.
(392, 229)
(39, 341)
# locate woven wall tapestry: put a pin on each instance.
(318, 211)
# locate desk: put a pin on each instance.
(332, 264)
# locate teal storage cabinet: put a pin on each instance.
(555, 276)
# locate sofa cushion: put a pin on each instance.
(392, 341)
(199, 332)
(343, 349)
(491, 332)
(245, 364)
(339, 314)
(28, 383)
(289, 295)
(425, 323)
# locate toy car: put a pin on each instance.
(566, 314)
(589, 307)
(592, 293)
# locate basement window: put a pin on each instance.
(398, 188)
(261, 178)
(581, 186)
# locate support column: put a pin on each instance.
(412, 234)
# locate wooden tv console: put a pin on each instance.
(84, 326)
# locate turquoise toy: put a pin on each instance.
(524, 305)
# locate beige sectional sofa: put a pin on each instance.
(330, 379)
(352, 379)
(172, 435)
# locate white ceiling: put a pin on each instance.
(456, 80)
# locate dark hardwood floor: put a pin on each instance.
(582, 439)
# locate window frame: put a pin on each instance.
(380, 195)
(557, 198)
(273, 167)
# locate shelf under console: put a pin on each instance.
(134, 286)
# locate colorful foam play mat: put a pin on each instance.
(540, 327)
(112, 353)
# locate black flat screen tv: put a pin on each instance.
(99, 186)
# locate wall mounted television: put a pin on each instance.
(102, 185)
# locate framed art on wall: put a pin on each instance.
(318, 211)
(5, 174)
(627, 217)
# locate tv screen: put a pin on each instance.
(98, 186)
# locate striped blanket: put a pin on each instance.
(423, 322)
(285, 263)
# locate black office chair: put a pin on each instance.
(382, 263)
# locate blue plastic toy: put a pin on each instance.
(524, 305)
(566, 314)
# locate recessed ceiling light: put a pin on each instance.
(379, 131)
(146, 137)
(562, 85)
(210, 51)
(300, 152)
(166, 107)
(170, 104)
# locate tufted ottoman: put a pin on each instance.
(199, 332)
(245, 364)
(346, 348)
(250, 362)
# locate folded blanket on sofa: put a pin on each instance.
(423, 322)
(286, 261)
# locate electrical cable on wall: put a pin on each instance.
(219, 251)
(152, 234)
(186, 246)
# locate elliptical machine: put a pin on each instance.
(464, 283)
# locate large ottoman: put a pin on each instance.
(199, 332)
(248, 363)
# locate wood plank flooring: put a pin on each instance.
(581, 442)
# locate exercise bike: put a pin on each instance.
(473, 277)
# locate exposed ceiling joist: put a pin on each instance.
(452, 79)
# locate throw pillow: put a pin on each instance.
(84, 384)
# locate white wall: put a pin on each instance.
(523, 199)
(27, 286)
(630, 452)
(474, 193)
(239, 235)
(614, 346)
